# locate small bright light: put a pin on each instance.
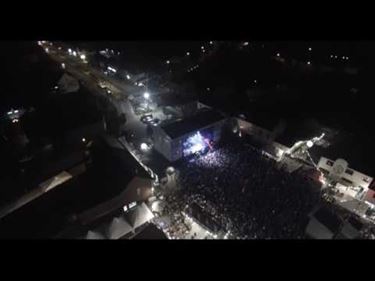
(146, 95)
(310, 49)
(347, 58)
(343, 58)
(140, 84)
(255, 81)
(125, 208)
(168, 62)
(144, 146)
(14, 120)
(83, 57)
(203, 51)
(56, 87)
(309, 143)
(47, 50)
(336, 57)
(211, 42)
(331, 56)
(188, 53)
(128, 77)
(208, 89)
(202, 47)
(246, 43)
(16, 111)
(308, 63)
(69, 51)
(63, 65)
(278, 54)
(83, 140)
(74, 53)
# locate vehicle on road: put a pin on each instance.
(146, 118)
(155, 122)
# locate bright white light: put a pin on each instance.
(336, 57)
(39, 43)
(125, 208)
(347, 58)
(309, 143)
(74, 53)
(144, 146)
(255, 81)
(128, 77)
(133, 204)
(140, 84)
(278, 54)
(47, 50)
(146, 95)
(111, 69)
(63, 65)
(83, 57)
(343, 58)
(168, 62)
(202, 47)
(14, 120)
(16, 111)
(70, 51)
(310, 49)
(136, 83)
(245, 43)
(331, 56)
(308, 63)
(83, 140)
(188, 53)
(211, 42)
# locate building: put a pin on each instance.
(351, 188)
(190, 135)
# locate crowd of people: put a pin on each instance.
(243, 190)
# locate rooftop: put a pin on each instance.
(188, 125)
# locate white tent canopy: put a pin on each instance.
(94, 235)
(139, 215)
(118, 228)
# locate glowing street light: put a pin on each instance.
(128, 76)
(188, 53)
(168, 62)
(83, 140)
(308, 63)
(146, 95)
(310, 49)
(83, 57)
(74, 53)
(278, 54)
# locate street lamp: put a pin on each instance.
(146, 95)
(83, 56)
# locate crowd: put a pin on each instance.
(246, 193)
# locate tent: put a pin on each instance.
(94, 235)
(139, 215)
(118, 227)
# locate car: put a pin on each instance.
(146, 118)
(155, 122)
